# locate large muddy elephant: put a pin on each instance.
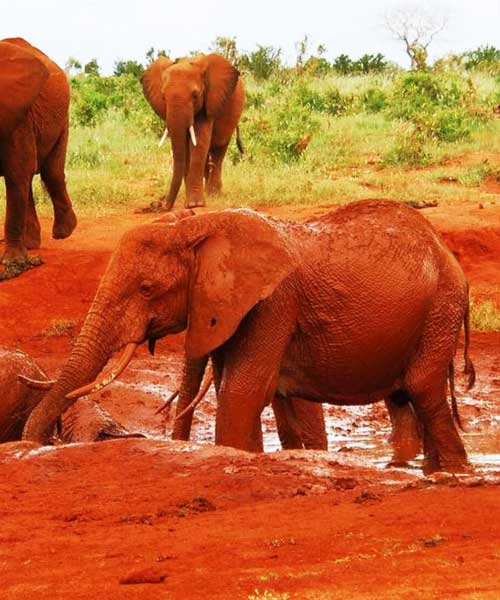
(34, 102)
(362, 304)
(22, 387)
(201, 100)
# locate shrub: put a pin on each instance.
(373, 100)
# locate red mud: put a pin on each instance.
(157, 519)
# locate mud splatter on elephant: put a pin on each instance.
(362, 304)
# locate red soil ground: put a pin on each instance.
(149, 518)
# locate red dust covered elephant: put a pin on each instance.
(201, 100)
(362, 304)
(34, 102)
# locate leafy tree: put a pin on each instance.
(343, 64)
(91, 68)
(226, 46)
(152, 55)
(486, 58)
(73, 66)
(263, 62)
(128, 67)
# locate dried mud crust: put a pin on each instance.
(149, 519)
(153, 519)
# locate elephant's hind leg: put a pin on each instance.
(406, 436)
(52, 172)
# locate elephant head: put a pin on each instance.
(22, 76)
(203, 273)
(184, 93)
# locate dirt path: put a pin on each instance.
(156, 519)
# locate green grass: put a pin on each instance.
(116, 165)
(485, 316)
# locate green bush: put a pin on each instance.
(373, 100)
(330, 102)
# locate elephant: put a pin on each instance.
(300, 423)
(33, 138)
(85, 421)
(200, 99)
(363, 303)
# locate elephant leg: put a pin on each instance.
(191, 380)
(197, 164)
(443, 448)
(214, 181)
(311, 422)
(286, 423)
(52, 172)
(32, 238)
(406, 436)
(252, 359)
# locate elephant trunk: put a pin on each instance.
(178, 127)
(86, 361)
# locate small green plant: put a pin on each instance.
(373, 100)
(474, 176)
(485, 316)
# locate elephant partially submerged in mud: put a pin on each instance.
(361, 304)
(22, 387)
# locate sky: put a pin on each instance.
(111, 30)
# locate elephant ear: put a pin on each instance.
(221, 77)
(151, 81)
(240, 259)
(22, 77)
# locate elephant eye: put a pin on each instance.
(195, 94)
(146, 288)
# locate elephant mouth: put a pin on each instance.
(157, 331)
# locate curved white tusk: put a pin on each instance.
(163, 138)
(106, 378)
(206, 383)
(169, 401)
(193, 135)
(36, 384)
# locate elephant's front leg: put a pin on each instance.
(192, 375)
(250, 374)
(197, 162)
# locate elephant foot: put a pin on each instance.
(195, 203)
(12, 267)
(64, 225)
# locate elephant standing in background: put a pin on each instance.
(34, 103)
(361, 304)
(201, 100)
(85, 421)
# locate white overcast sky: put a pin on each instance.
(109, 30)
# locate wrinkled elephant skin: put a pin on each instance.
(361, 304)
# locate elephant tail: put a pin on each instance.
(469, 370)
(454, 405)
(239, 141)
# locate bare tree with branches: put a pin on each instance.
(416, 27)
